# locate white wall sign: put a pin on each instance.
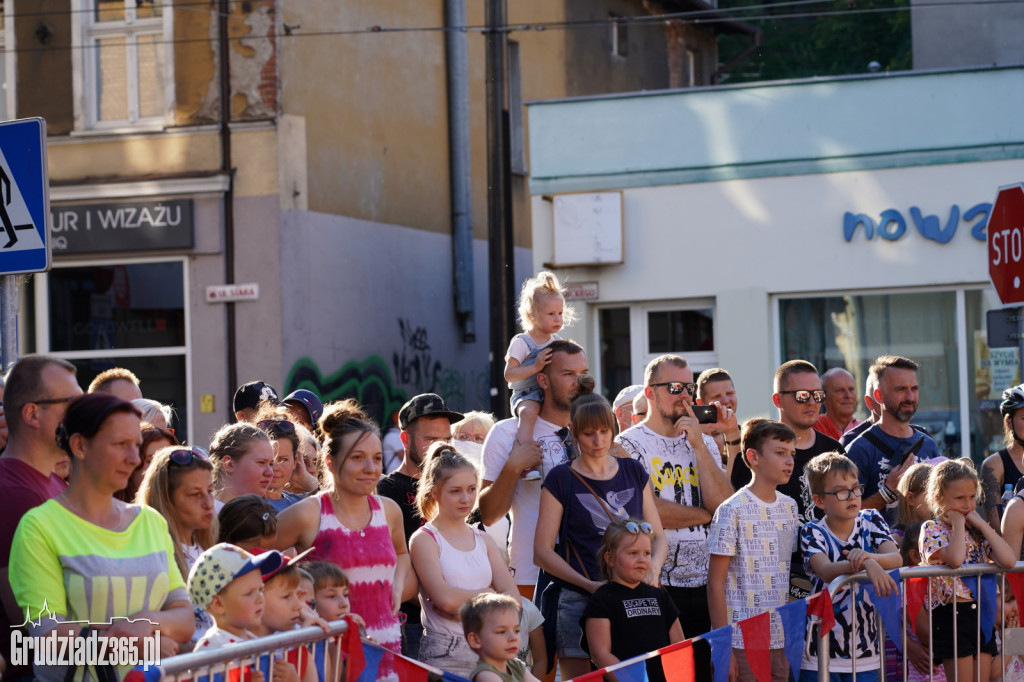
(232, 292)
(587, 229)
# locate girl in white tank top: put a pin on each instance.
(452, 560)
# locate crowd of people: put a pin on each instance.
(579, 532)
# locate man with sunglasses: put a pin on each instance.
(689, 484)
(897, 394)
(798, 396)
(37, 392)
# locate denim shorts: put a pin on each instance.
(448, 652)
(570, 631)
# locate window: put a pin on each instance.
(851, 331)
(122, 72)
(630, 336)
(125, 314)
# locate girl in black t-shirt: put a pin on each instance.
(627, 617)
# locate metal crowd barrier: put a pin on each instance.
(1011, 643)
(231, 664)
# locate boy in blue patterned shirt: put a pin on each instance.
(847, 540)
(752, 538)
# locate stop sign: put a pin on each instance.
(1006, 244)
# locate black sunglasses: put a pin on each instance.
(278, 427)
(565, 437)
(182, 457)
(677, 387)
(805, 396)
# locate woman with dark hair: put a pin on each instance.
(577, 502)
(179, 485)
(350, 526)
(243, 462)
(153, 438)
(91, 558)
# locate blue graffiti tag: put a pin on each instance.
(891, 224)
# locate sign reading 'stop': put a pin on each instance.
(137, 226)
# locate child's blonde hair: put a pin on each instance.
(474, 611)
(914, 482)
(942, 476)
(544, 284)
(442, 460)
(614, 536)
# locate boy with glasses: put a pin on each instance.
(798, 395)
(848, 540)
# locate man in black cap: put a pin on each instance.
(305, 407)
(249, 396)
(424, 420)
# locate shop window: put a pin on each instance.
(680, 331)
(851, 331)
(616, 351)
(130, 315)
(990, 371)
(122, 72)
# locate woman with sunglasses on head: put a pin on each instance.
(578, 502)
(285, 443)
(350, 526)
(243, 462)
(179, 485)
(90, 557)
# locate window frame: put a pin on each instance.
(41, 292)
(85, 75)
(963, 348)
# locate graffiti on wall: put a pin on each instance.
(369, 382)
(381, 390)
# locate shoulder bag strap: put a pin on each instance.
(878, 443)
(592, 492)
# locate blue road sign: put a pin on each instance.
(24, 197)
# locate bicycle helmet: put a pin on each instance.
(1013, 400)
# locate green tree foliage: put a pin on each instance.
(824, 39)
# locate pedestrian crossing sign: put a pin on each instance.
(24, 197)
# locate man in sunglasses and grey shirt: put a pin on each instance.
(798, 395)
(689, 484)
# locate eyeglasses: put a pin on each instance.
(277, 427)
(677, 387)
(53, 401)
(844, 495)
(466, 437)
(637, 528)
(806, 396)
(182, 457)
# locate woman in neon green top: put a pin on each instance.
(92, 560)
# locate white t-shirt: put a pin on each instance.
(519, 349)
(672, 465)
(759, 537)
(526, 499)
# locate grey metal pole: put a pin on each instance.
(9, 324)
(460, 166)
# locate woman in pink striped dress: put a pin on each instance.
(355, 529)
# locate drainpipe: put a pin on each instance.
(229, 195)
(460, 167)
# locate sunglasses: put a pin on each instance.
(677, 387)
(806, 396)
(182, 457)
(565, 437)
(844, 495)
(278, 427)
(637, 528)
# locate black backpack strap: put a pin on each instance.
(884, 448)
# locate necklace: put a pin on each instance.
(344, 518)
(77, 512)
